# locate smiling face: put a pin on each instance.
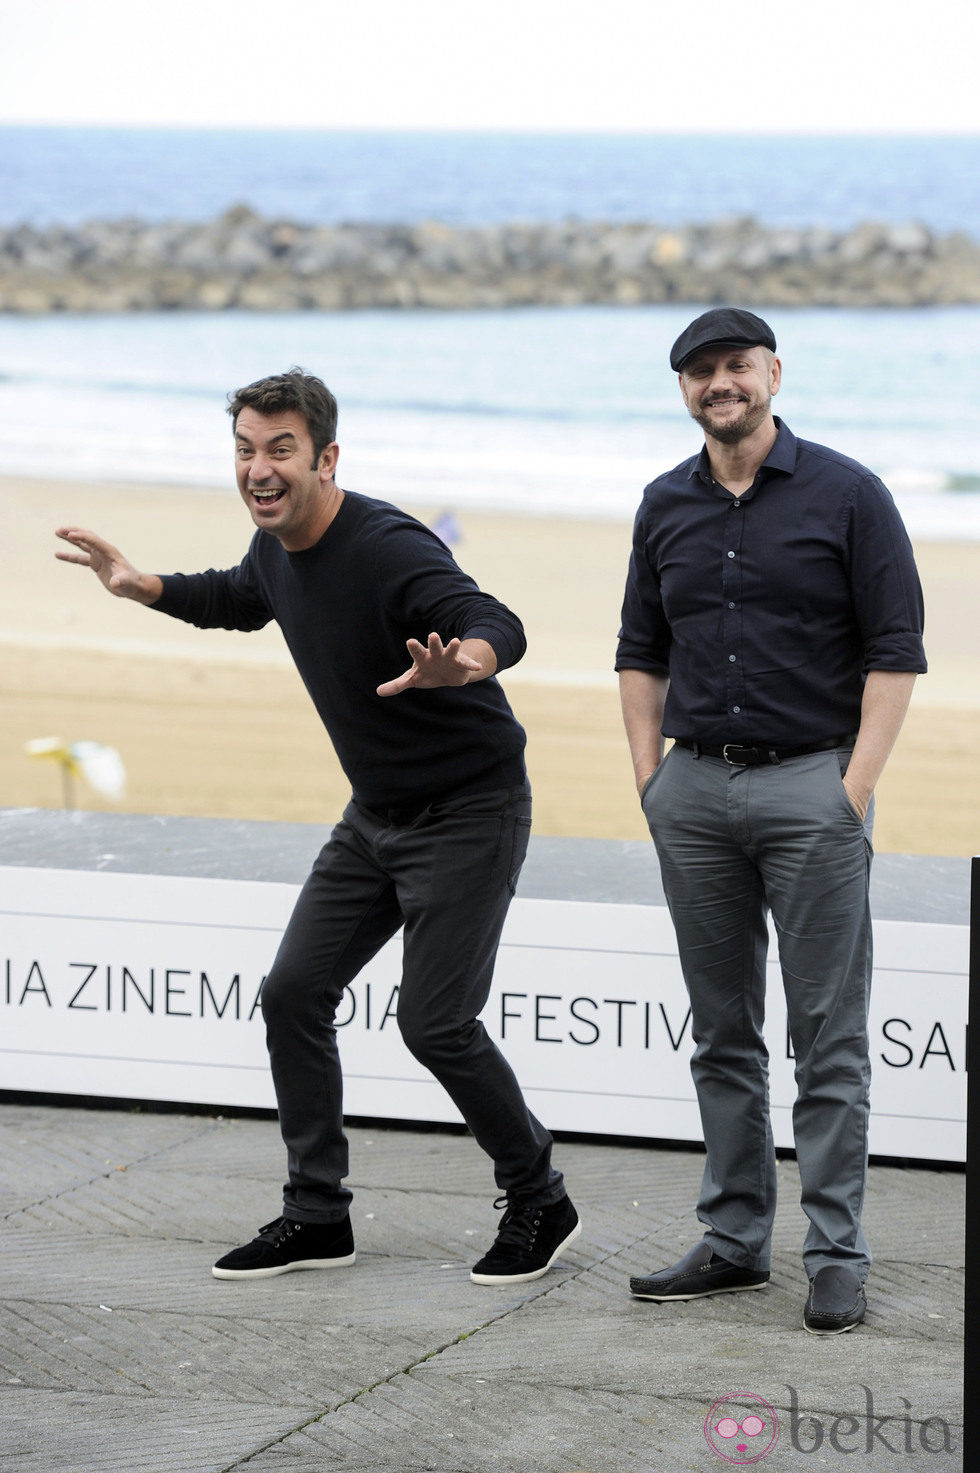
(287, 492)
(728, 390)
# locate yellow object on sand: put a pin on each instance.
(100, 766)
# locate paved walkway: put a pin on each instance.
(121, 1352)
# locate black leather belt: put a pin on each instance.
(739, 756)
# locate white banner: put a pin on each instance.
(147, 987)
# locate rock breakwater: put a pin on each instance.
(241, 260)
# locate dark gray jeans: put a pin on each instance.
(447, 873)
(734, 842)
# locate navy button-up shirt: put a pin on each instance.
(767, 610)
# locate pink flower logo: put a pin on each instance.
(741, 1428)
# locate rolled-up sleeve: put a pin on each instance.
(887, 594)
(644, 635)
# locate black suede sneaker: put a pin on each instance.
(529, 1240)
(284, 1245)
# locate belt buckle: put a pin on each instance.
(733, 746)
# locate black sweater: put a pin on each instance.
(346, 606)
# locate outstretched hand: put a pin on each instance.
(113, 570)
(434, 664)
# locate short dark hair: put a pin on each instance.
(298, 390)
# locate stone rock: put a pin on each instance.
(241, 260)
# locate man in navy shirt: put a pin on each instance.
(772, 626)
(433, 838)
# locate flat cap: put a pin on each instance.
(722, 325)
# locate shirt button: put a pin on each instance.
(731, 554)
(736, 709)
(731, 606)
(732, 659)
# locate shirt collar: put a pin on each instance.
(781, 456)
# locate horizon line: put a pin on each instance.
(610, 130)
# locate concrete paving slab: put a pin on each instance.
(120, 1353)
(113, 1434)
(245, 1358)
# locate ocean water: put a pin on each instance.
(532, 410)
(60, 175)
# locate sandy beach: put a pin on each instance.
(216, 724)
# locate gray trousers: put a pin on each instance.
(446, 872)
(734, 843)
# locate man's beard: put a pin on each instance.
(738, 429)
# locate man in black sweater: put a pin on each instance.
(433, 838)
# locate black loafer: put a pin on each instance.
(698, 1274)
(836, 1301)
